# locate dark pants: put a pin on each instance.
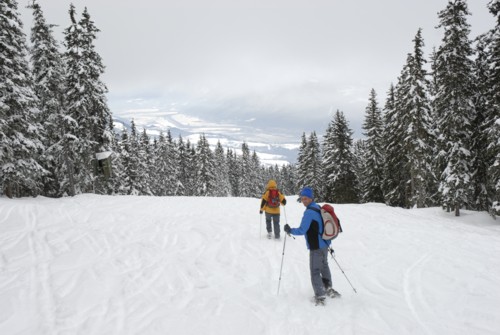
(276, 223)
(321, 277)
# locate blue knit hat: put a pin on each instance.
(307, 192)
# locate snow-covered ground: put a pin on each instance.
(147, 265)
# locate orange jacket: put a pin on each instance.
(263, 205)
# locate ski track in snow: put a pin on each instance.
(141, 265)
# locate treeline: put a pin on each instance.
(435, 142)
(166, 167)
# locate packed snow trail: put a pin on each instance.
(183, 265)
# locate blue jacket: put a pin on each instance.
(311, 227)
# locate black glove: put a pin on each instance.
(284, 202)
(260, 212)
(287, 228)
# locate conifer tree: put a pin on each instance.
(205, 169)
(394, 173)
(416, 118)
(455, 105)
(374, 159)
(301, 164)
(493, 109)
(76, 140)
(20, 129)
(288, 178)
(438, 161)
(234, 168)
(145, 164)
(101, 125)
(119, 176)
(311, 166)
(257, 175)
(48, 77)
(171, 157)
(161, 166)
(245, 183)
(339, 162)
(132, 162)
(360, 167)
(481, 125)
(184, 163)
(92, 129)
(222, 185)
(127, 175)
(329, 163)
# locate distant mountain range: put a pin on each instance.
(273, 146)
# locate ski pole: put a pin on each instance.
(260, 226)
(331, 253)
(281, 268)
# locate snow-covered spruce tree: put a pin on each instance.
(86, 101)
(48, 77)
(171, 157)
(257, 175)
(455, 105)
(131, 161)
(416, 118)
(493, 107)
(118, 173)
(338, 162)
(192, 169)
(20, 130)
(301, 164)
(312, 168)
(127, 174)
(234, 169)
(78, 158)
(101, 119)
(160, 151)
(145, 165)
(133, 156)
(222, 185)
(270, 172)
(360, 167)
(288, 178)
(374, 160)
(328, 161)
(437, 164)
(245, 183)
(394, 173)
(481, 125)
(205, 169)
(184, 167)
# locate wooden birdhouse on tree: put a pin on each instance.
(102, 164)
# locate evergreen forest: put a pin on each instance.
(435, 141)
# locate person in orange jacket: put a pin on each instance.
(271, 201)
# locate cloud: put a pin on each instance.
(286, 61)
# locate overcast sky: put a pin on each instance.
(288, 62)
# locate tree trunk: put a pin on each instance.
(8, 190)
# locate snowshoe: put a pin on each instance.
(332, 293)
(319, 301)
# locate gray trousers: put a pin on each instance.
(321, 278)
(276, 223)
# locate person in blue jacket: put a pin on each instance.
(311, 227)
